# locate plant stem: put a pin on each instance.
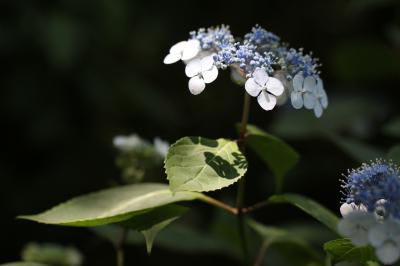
(119, 247)
(219, 204)
(242, 182)
(255, 207)
(261, 254)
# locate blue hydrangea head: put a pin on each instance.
(213, 38)
(296, 61)
(372, 184)
(245, 56)
(260, 36)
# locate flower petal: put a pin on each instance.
(297, 100)
(178, 48)
(298, 82)
(193, 68)
(210, 75)
(318, 109)
(309, 100)
(207, 63)
(275, 86)
(309, 83)
(196, 85)
(321, 93)
(377, 235)
(266, 101)
(191, 49)
(388, 253)
(346, 208)
(252, 87)
(260, 76)
(172, 58)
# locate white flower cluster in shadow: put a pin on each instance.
(268, 68)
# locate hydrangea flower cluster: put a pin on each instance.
(269, 69)
(371, 209)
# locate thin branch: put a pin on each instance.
(219, 204)
(255, 207)
(261, 253)
(119, 247)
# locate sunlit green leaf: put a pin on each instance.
(278, 155)
(343, 250)
(309, 206)
(111, 205)
(200, 164)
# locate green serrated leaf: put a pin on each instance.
(200, 164)
(309, 206)
(22, 263)
(278, 155)
(111, 205)
(394, 154)
(343, 250)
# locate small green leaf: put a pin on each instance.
(151, 233)
(22, 263)
(287, 242)
(111, 205)
(392, 128)
(274, 234)
(394, 154)
(278, 155)
(343, 250)
(152, 222)
(309, 206)
(200, 164)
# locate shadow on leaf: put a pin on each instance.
(221, 166)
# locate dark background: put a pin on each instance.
(76, 73)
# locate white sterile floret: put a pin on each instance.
(321, 99)
(346, 208)
(303, 92)
(184, 50)
(265, 88)
(356, 225)
(200, 72)
(127, 143)
(161, 146)
(385, 237)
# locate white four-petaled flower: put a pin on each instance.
(356, 225)
(184, 50)
(265, 88)
(385, 237)
(200, 72)
(309, 92)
